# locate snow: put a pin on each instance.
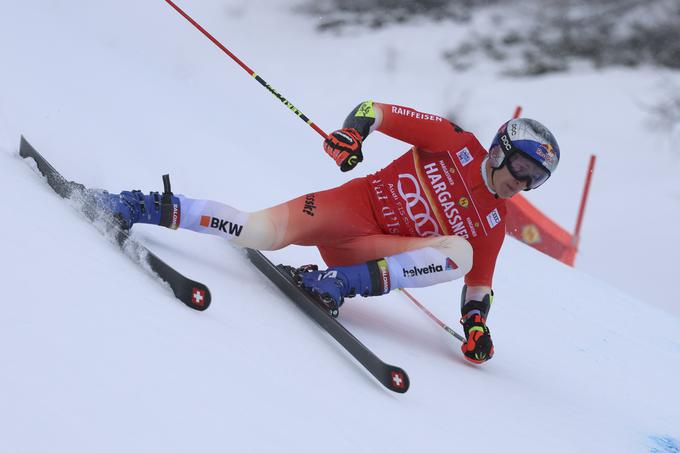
(97, 356)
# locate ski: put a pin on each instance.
(194, 294)
(392, 377)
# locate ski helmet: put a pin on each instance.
(529, 150)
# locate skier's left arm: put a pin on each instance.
(480, 278)
(477, 296)
(485, 253)
(423, 130)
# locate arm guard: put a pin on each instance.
(362, 118)
(483, 306)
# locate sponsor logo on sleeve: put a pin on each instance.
(494, 218)
(309, 206)
(450, 264)
(224, 226)
(464, 202)
(464, 156)
(418, 271)
(414, 114)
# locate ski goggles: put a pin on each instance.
(524, 168)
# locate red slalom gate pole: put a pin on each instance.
(248, 70)
(584, 198)
(518, 111)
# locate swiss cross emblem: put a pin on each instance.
(198, 296)
(398, 379)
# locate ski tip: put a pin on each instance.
(24, 147)
(397, 380)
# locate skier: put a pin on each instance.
(435, 214)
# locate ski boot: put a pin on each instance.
(130, 207)
(325, 287)
(332, 286)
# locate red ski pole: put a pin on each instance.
(248, 70)
(432, 317)
(303, 117)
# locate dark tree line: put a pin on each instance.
(338, 14)
(532, 37)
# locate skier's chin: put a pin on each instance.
(505, 191)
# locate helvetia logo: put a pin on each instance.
(222, 225)
(417, 271)
(450, 264)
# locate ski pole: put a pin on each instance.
(432, 317)
(248, 70)
(304, 118)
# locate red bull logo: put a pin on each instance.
(547, 153)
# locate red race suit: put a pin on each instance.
(437, 188)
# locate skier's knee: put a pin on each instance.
(458, 249)
(261, 232)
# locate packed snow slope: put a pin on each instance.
(98, 356)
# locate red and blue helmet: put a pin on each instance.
(527, 148)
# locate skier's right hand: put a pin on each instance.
(344, 147)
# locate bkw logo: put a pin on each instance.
(221, 225)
